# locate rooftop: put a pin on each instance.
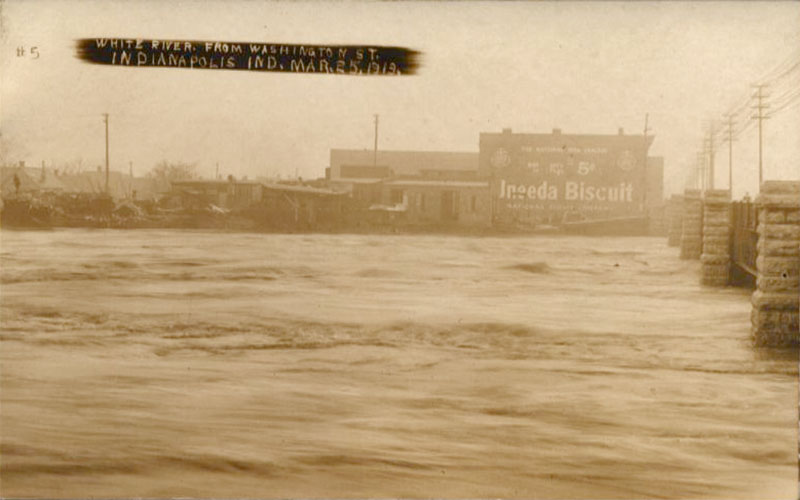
(434, 183)
(404, 162)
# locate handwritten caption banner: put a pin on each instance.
(271, 57)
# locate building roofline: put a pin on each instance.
(650, 137)
(214, 181)
(301, 189)
(414, 182)
(404, 151)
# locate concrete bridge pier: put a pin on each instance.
(692, 227)
(716, 250)
(776, 301)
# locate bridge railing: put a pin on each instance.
(744, 221)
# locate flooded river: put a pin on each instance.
(163, 363)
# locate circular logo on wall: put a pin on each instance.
(501, 158)
(626, 161)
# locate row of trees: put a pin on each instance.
(173, 171)
(162, 170)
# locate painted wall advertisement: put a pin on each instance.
(553, 178)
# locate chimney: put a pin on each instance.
(506, 130)
(621, 131)
(556, 131)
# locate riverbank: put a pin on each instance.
(99, 211)
(25, 217)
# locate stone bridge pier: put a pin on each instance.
(692, 227)
(776, 301)
(716, 256)
(674, 216)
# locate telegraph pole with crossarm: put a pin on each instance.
(760, 116)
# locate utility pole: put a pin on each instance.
(130, 182)
(760, 107)
(375, 150)
(697, 173)
(701, 170)
(105, 119)
(710, 151)
(644, 166)
(216, 172)
(730, 154)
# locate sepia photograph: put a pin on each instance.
(399, 249)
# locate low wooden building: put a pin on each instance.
(434, 203)
(230, 194)
(293, 206)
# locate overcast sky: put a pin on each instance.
(587, 67)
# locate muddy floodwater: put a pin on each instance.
(160, 363)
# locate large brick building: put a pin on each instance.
(515, 179)
(354, 166)
(550, 178)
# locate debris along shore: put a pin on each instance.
(89, 210)
(95, 210)
(410, 205)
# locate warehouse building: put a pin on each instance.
(359, 166)
(432, 203)
(555, 178)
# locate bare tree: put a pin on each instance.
(74, 166)
(173, 171)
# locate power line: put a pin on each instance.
(781, 69)
(708, 149)
(795, 66)
(729, 131)
(790, 88)
(701, 170)
(745, 126)
(738, 108)
(786, 105)
(785, 101)
(774, 78)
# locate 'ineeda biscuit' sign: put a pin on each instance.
(549, 177)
